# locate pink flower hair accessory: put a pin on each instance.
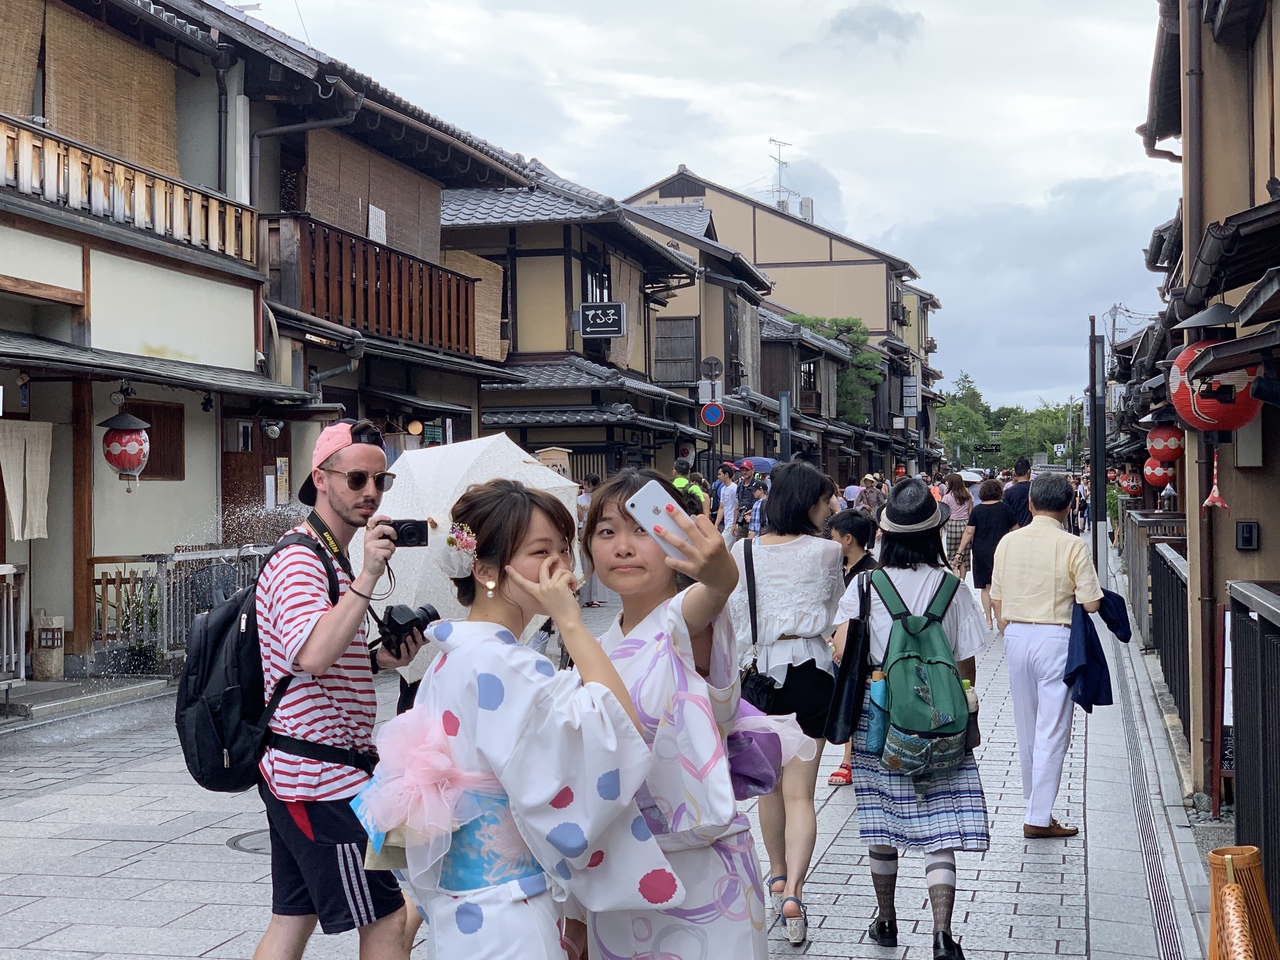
(459, 553)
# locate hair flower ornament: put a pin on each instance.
(459, 552)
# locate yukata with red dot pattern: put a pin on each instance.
(688, 798)
(557, 823)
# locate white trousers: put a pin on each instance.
(1042, 711)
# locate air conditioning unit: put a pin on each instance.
(898, 312)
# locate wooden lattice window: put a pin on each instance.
(168, 460)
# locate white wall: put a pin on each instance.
(148, 310)
(158, 514)
(33, 257)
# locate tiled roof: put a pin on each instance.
(578, 373)
(691, 218)
(191, 31)
(607, 414)
(552, 199)
(774, 326)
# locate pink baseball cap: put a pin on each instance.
(335, 437)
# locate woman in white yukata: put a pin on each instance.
(675, 650)
(514, 783)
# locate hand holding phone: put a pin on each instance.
(648, 507)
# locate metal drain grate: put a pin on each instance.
(256, 841)
(1158, 889)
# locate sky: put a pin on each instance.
(989, 143)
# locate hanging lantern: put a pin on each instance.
(900, 470)
(1130, 484)
(1165, 443)
(1157, 474)
(1112, 474)
(126, 446)
(1220, 402)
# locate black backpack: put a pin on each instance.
(221, 716)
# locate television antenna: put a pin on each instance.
(779, 191)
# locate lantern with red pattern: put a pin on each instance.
(1165, 443)
(1130, 484)
(1220, 401)
(126, 446)
(1112, 475)
(900, 470)
(1157, 473)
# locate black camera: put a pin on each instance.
(409, 533)
(400, 620)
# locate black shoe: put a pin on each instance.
(944, 948)
(884, 932)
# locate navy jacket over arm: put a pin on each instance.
(1087, 672)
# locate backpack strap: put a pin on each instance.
(751, 594)
(889, 595)
(942, 597)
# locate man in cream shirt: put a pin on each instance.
(1040, 572)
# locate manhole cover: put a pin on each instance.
(256, 841)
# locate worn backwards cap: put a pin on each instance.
(335, 437)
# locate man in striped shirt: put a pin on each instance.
(317, 844)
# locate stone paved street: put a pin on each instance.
(108, 850)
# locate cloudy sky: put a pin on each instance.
(989, 143)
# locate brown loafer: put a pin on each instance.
(1054, 831)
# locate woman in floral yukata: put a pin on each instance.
(675, 650)
(514, 783)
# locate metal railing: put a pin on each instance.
(1169, 628)
(1143, 528)
(143, 605)
(68, 174)
(13, 624)
(1255, 659)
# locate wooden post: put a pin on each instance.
(82, 514)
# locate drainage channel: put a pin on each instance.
(1157, 887)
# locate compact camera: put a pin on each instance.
(400, 620)
(409, 533)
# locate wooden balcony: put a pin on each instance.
(811, 403)
(67, 174)
(350, 280)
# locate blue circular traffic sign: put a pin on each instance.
(713, 414)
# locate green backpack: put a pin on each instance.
(928, 711)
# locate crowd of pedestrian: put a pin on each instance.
(595, 811)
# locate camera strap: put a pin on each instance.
(325, 536)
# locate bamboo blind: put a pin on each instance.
(19, 52)
(108, 93)
(489, 342)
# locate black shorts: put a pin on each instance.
(317, 865)
(806, 693)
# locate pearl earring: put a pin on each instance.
(489, 589)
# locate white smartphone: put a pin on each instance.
(649, 508)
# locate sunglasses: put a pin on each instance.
(357, 479)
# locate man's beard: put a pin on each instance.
(355, 520)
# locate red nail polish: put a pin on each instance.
(656, 528)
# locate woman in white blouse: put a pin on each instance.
(799, 582)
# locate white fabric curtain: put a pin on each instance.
(25, 451)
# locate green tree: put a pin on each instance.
(960, 429)
(1028, 432)
(1000, 416)
(967, 394)
(857, 384)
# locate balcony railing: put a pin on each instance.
(811, 403)
(1143, 528)
(1170, 633)
(350, 280)
(1255, 681)
(67, 174)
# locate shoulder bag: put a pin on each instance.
(757, 688)
(855, 668)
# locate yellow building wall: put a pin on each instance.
(153, 312)
(852, 290)
(781, 238)
(540, 309)
(734, 222)
(1226, 123)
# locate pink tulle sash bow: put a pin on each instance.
(417, 785)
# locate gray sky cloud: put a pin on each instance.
(964, 123)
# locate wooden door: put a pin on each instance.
(251, 512)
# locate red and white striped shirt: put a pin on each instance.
(338, 708)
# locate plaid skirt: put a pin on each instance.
(955, 533)
(946, 812)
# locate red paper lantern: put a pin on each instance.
(1165, 443)
(1130, 484)
(1157, 473)
(900, 470)
(1228, 408)
(126, 446)
(1112, 474)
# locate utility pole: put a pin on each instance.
(1097, 400)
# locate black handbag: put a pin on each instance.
(757, 688)
(855, 667)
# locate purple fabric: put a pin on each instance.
(755, 759)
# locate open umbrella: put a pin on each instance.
(969, 476)
(428, 484)
(760, 465)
